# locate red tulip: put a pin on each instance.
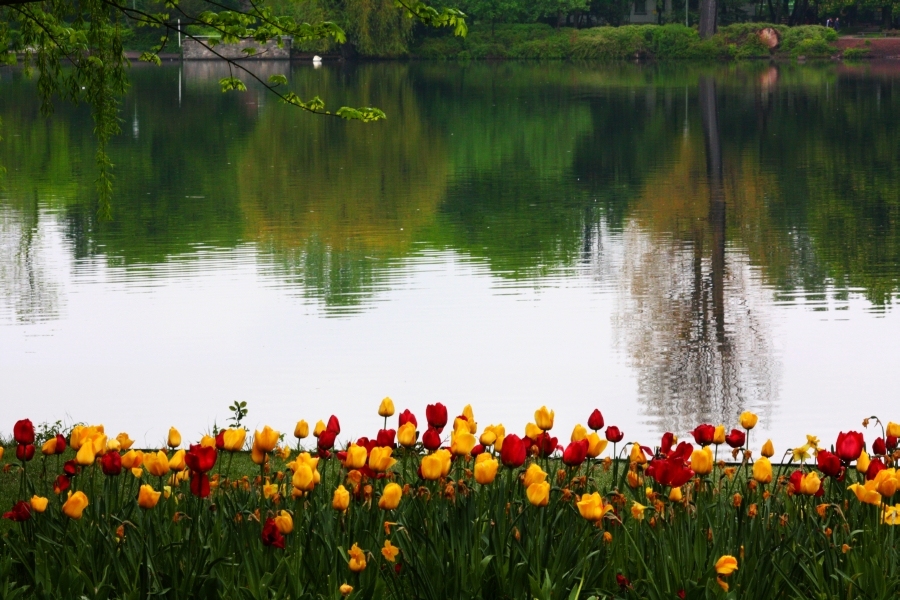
(271, 536)
(25, 452)
(23, 432)
(879, 448)
(575, 453)
(665, 445)
(436, 415)
(431, 439)
(333, 425)
(60, 444)
(849, 445)
(199, 483)
(513, 452)
(704, 434)
(326, 439)
(682, 452)
(622, 581)
(61, 484)
(828, 463)
(546, 444)
(595, 421)
(366, 443)
(200, 459)
(672, 472)
(220, 440)
(891, 442)
(477, 449)
(408, 417)
(70, 468)
(613, 434)
(21, 511)
(875, 467)
(736, 438)
(111, 463)
(386, 438)
(795, 479)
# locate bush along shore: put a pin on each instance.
(628, 42)
(439, 508)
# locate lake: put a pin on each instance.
(672, 244)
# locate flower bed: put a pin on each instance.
(449, 510)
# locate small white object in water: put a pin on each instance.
(317, 59)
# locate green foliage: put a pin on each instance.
(855, 53)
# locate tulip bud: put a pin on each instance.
(407, 435)
(431, 467)
(485, 469)
(75, 505)
(176, 463)
(768, 450)
(39, 504)
(702, 461)
(893, 429)
(346, 589)
(233, 439)
(596, 445)
(719, 435)
(862, 463)
(538, 494)
(49, 447)
(637, 454)
(762, 470)
(748, 420)
(266, 440)
(533, 474)
(85, 455)
(148, 497)
(301, 430)
(357, 562)
(488, 436)
(579, 433)
(341, 499)
(675, 495)
(386, 408)
(543, 418)
(174, 438)
(390, 497)
(319, 428)
(284, 522)
(595, 421)
(461, 441)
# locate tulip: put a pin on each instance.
(634, 480)
(233, 439)
(470, 418)
(157, 463)
(326, 440)
(702, 461)
(485, 469)
(301, 430)
(595, 421)
(284, 522)
(488, 436)
(357, 562)
(879, 447)
(176, 463)
(49, 447)
(208, 441)
(532, 431)
(768, 450)
(829, 463)
(356, 457)
(513, 452)
(849, 446)
(596, 446)
(762, 470)
(174, 439)
(39, 504)
(390, 497)
(341, 499)
(21, 512)
(23, 432)
(891, 515)
(726, 565)
(893, 429)
(886, 482)
(380, 459)
(671, 471)
(266, 440)
(333, 425)
(637, 510)
(578, 433)
(389, 551)
(125, 442)
(719, 435)
(544, 418)
(133, 459)
(407, 417)
(875, 467)
(407, 435)
(862, 463)
(461, 441)
(614, 434)
(533, 474)
(736, 438)
(445, 457)
(637, 454)
(271, 535)
(575, 453)
(538, 493)
(675, 495)
(111, 463)
(75, 505)
(148, 497)
(748, 420)
(436, 415)
(346, 589)
(704, 434)
(810, 484)
(592, 507)
(85, 455)
(867, 493)
(386, 408)
(303, 478)
(431, 467)
(319, 428)
(432, 439)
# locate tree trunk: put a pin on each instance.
(708, 13)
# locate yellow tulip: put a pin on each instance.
(39, 504)
(637, 510)
(357, 562)
(485, 469)
(75, 505)
(148, 497)
(86, 455)
(157, 463)
(270, 490)
(341, 499)
(390, 497)
(538, 493)
(768, 450)
(75, 437)
(637, 455)
(579, 433)
(702, 461)
(867, 493)
(113, 445)
(499, 432)
(49, 447)
(207, 441)
(533, 474)
(891, 514)
(592, 507)
(304, 458)
(407, 435)
(174, 438)
(470, 416)
(380, 458)
(748, 420)
(346, 589)
(488, 436)
(132, 459)
(301, 430)
(389, 551)
(675, 495)
(726, 565)
(386, 408)
(533, 431)
(125, 442)
(461, 441)
(284, 522)
(431, 467)
(176, 463)
(762, 470)
(233, 439)
(596, 445)
(862, 463)
(137, 472)
(319, 428)
(257, 455)
(810, 484)
(445, 457)
(303, 478)
(543, 418)
(266, 439)
(719, 435)
(886, 481)
(893, 429)
(356, 457)
(634, 480)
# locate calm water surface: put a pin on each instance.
(672, 244)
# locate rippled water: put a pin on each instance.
(671, 244)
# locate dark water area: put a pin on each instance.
(669, 243)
